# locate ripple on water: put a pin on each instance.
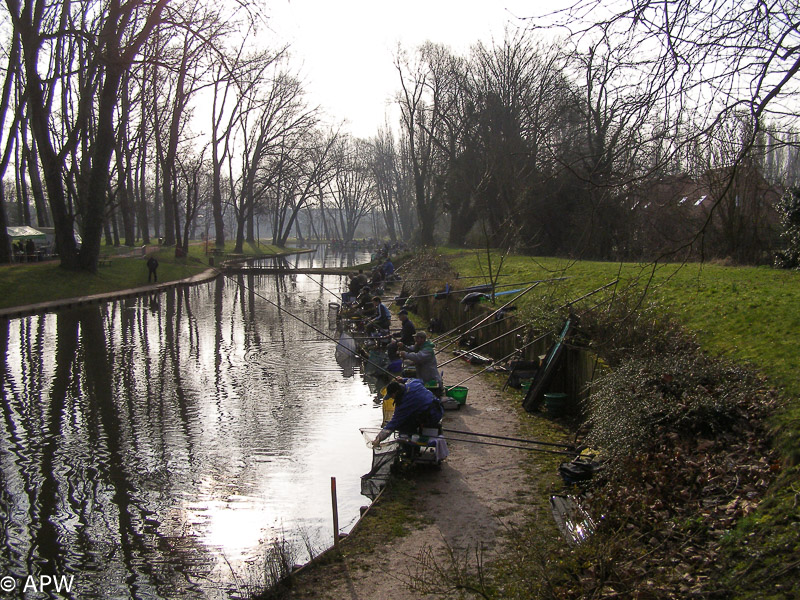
(156, 450)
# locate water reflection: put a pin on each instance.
(152, 447)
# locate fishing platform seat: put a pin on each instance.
(426, 447)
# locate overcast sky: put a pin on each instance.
(344, 48)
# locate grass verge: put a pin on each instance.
(31, 283)
(747, 547)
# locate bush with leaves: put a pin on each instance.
(789, 211)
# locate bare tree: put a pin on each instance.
(421, 104)
(183, 53)
(354, 193)
(518, 91)
(273, 124)
(89, 46)
(391, 185)
(235, 78)
(700, 64)
(193, 184)
(12, 66)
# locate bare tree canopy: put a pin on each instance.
(700, 61)
(74, 56)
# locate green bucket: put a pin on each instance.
(434, 387)
(457, 393)
(556, 403)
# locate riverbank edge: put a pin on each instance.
(205, 276)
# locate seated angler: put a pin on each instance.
(423, 357)
(388, 269)
(382, 318)
(414, 407)
(404, 337)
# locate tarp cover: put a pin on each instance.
(25, 232)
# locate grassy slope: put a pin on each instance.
(40, 282)
(750, 315)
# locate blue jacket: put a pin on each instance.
(383, 317)
(417, 407)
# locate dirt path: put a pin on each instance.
(464, 505)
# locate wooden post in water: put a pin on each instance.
(335, 513)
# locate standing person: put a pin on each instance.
(152, 265)
(30, 250)
(414, 406)
(423, 357)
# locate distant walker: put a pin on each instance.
(152, 265)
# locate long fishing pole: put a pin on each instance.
(477, 328)
(491, 314)
(601, 288)
(469, 290)
(459, 278)
(456, 328)
(303, 321)
(509, 332)
(508, 439)
(506, 357)
(529, 448)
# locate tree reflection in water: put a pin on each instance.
(149, 442)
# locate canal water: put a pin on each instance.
(164, 447)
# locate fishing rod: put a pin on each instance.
(478, 328)
(456, 328)
(529, 448)
(506, 357)
(601, 288)
(458, 278)
(368, 430)
(509, 332)
(491, 314)
(303, 321)
(469, 290)
(508, 439)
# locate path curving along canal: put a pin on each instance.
(160, 446)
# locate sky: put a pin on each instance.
(344, 49)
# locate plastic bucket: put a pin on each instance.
(457, 393)
(388, 410)
(434, 387)
(556, 403)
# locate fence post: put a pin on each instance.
(335, 513)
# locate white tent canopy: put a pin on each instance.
(25, 232)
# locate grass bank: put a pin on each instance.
(748, 314)
(745, 315)
(30, 283)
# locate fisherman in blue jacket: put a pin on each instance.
(414, 407)
(382, 318)
(388, 268)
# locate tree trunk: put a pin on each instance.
(42, 214)
(22, 191)
(107, 230)
(96, 190)
(6, 253)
